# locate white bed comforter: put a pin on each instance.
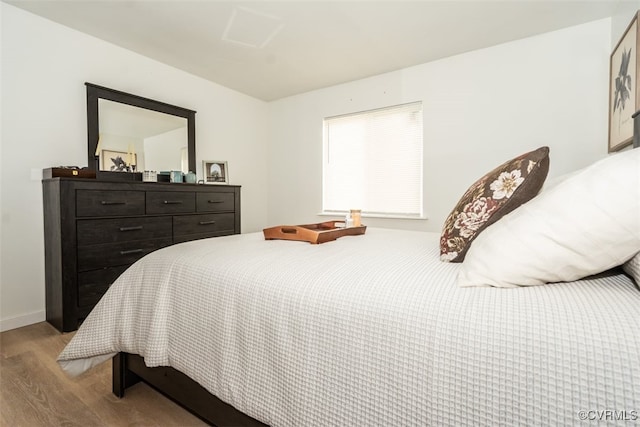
(371, 330)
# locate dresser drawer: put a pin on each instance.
(208, 223)
(215, 202)
(166, 202)
(98, 231)
(109, 203)
(115, 254)
(93, 284)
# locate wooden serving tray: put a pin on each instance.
(313, 233)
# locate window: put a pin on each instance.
(373, 162)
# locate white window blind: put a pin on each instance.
(373, 162)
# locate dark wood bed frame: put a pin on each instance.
(129, 369)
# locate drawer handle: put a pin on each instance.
(131, 251)
(215, 201)
(137, 227)
(109, 202)
(173, 202)
(207, 222)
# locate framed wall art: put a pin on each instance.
(624, 96)
(215, 172)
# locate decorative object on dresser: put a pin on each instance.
(68, 171)
(176, 176)
(149, 134)
(94, 230)
(624, 94)
(215, 172)
(117, 161)
(190, 177)
(150, 176)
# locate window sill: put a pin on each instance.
(341, 215)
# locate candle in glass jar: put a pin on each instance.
(356, 217)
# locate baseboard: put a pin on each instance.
(24, 320)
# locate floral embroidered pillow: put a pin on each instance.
(490, 198)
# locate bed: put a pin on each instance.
(365, 330)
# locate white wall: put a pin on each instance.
(480, 109)
(44, 67)
(620, 20)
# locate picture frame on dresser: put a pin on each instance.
(117, 161)
(624, 94)
(215, 172)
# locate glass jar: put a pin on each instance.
(356, 217)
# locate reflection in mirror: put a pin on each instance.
(148, 139)
(127, 130)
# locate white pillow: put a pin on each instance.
(586, 224)
(632, 268)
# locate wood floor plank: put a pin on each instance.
(47, 402)
(34, 391)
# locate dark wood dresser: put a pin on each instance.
(94, 230)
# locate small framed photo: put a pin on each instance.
(624, 94)
(215, 172)
(117, 161)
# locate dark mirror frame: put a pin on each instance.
(95, 92)
(636, 129)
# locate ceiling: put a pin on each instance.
(274, 49)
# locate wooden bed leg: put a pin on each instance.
(122, 378)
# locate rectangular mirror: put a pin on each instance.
(148, 139)
(126, 130)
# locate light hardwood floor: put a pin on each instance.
(35, 392)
